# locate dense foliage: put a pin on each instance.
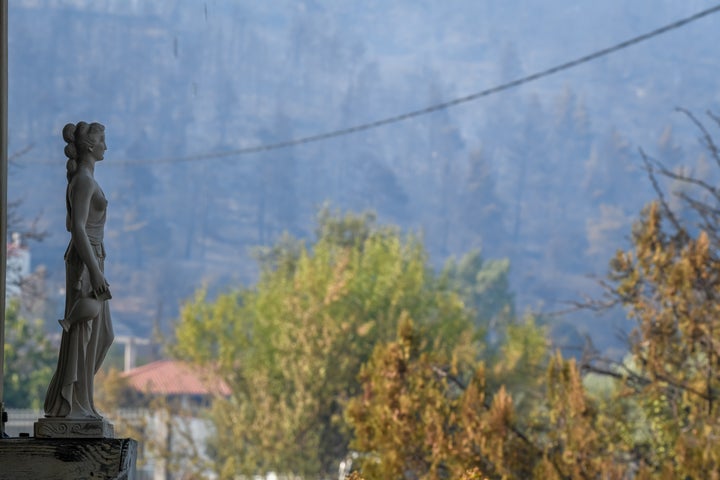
(29, 360)
(292, 347)
(425, 415)
(653, 415)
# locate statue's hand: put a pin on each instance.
(102, 293)
(101, 288)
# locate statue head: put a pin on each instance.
(82, 138)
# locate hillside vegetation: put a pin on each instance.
(547, 176)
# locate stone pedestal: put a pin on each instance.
(59, 427)
(63, 459)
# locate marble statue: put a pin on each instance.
(87, 331)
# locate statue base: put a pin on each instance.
(61, 427)
(58, 458)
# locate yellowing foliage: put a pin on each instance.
(291, 348)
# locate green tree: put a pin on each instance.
(291, 347)
(483, 285)
(481, 211)
(29, 360)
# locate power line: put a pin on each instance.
(433, 108)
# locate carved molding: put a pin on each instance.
(68, 428)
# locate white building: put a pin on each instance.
(18, 266)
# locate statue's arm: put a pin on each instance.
(80, 196)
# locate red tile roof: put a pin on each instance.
(172, 377)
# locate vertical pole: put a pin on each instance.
(130, 353)
(3, 193)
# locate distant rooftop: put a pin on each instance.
(172, 377)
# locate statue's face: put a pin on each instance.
(98, 150)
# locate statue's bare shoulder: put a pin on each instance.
(83, 182)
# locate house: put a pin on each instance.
(174, 379)
(175, 431)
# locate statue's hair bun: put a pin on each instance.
(68, 133)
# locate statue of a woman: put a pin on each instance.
(87, 328)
